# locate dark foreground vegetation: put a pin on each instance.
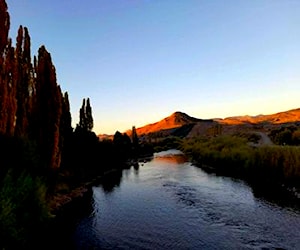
(42, 156)
(32, 195)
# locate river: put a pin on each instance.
(167, 203)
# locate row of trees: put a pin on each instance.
(38, 144)
(32, 103)
(35, 121)
(33, 106)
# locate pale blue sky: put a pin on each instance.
(141, 60)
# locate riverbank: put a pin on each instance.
(66, 206)
(61, 199)
(64, 194)
(264, 166)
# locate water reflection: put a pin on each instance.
(275, 195)
(111, 181)
(180, 158)
(169, 204)
(272, 193)
(136, 168)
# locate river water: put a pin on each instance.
(167, 203)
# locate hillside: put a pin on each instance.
(183, 124)
(175, 120)
(278, 118)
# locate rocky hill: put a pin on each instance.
(175, 120)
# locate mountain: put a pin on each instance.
(181, 124)
(175, 120)
(180, 119)
(178, 124)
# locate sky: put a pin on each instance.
(141, 60)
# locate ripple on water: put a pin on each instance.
(171, 205)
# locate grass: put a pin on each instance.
(232, 155)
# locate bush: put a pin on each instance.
(23, 209)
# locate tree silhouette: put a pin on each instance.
(89, 117)
(82, 120)
(7, 88)
(25, 82)
(123, 146)
(31, 101)
(48, 110)
(134, 137)
(85, 116)
(4, 25)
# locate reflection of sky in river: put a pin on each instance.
(170, 205)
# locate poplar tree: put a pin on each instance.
(4, 65)
(9, 103)
(134, 137)
(66, 118)
(85, 116)
(48, 110)
(32, 105)
(82, 116)
(89, 117)
(4, 26)
(25, 82)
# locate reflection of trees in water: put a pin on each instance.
(111, 180)
(275, 194)
(267, 191)
(136, 167)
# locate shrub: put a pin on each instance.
(23, 208)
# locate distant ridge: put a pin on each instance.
(178, 119)
(197, 126)
(277, 118)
